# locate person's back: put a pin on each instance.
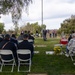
(1, 39)
(13, 39)
(21, 36)
(7, 44)
(31, 38)
(26, 45)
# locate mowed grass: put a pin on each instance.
(49, 64)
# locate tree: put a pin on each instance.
(16, 29)
(43, 26)
(33, 27)
(14, 7)
(67, 26)
(1, 28)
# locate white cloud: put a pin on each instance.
(54, 12)
(9, 26)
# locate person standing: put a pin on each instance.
(44, 34)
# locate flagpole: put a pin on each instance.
(41, 12)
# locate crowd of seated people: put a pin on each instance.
(11, 43)
(7, 44)
(30, 37)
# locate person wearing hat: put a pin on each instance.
(26, 45)
(7, 44)
(70, 45)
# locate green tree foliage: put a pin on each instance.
(43, 26)
(33, 27)
(14, 7)
(67, 26)
(1, 27)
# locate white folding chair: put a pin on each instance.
(6, 60)
(0, 62)
(24, 61)
(31, 41)
(72, 53)
(20, 41)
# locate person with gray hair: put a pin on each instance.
(71, 45)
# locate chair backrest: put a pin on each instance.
(6, 55)
(21, 53)
(30, 40)
(20, 41)
(5, 52)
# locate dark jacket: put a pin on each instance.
(20, 37)
(70, 37)
(26, 45)
(10, 46)
(32, 38)
(14, 41)
(1, 39)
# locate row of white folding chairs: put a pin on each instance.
(4, 61)
(29, 40)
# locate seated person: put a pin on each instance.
(7, 44)
(1, 38)
(71, 44)
(26, 45)
(14, 40)
(21, 36)
(31, 37)
(70, 37)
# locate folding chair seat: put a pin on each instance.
(24, 58)
(7, 58)
(72, 53)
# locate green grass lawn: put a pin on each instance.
(50, 64)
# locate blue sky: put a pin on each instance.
(54, 12)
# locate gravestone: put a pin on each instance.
(50, 52)
(37, 74)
